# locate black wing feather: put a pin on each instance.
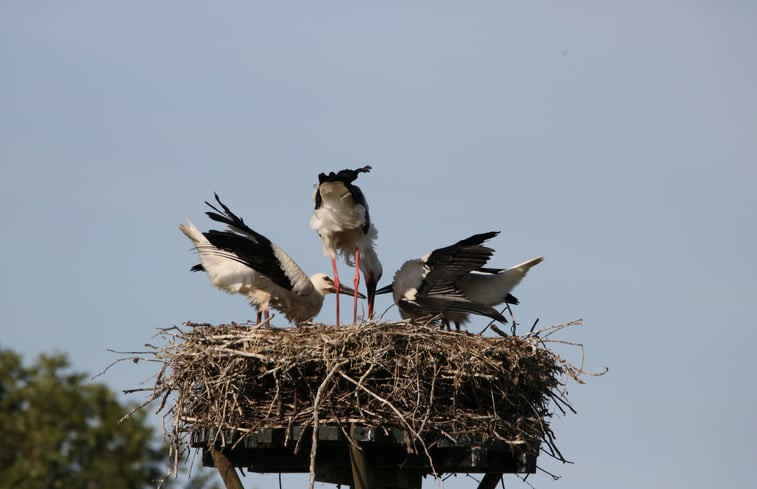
(235, 222)
(447, 265)
(257, 255)
(248, 247)
(493, 271)
(423, 306)
(346, 175)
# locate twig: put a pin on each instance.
(553, 476)
(499, 331)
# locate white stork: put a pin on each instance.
(452, 282)
(242, 261)
(342, 221)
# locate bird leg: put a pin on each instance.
(357, 282)
(267, 315)
(260, 318)
(336, 288)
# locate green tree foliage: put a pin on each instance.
(57, 430)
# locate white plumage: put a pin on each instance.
(343, 222)
(491, 287)
(225, 273)
(242, 261)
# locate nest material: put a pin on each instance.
(427, 382)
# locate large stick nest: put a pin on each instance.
(427, 382)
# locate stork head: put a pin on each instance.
(371, 267)
(371, 282)
(325, 285)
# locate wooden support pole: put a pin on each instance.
(359, 466)
(490, 480)
(367, 476)
(226, 469)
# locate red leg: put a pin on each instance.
(267, 315)
(260, 317)
(336, 288)
(357, 282)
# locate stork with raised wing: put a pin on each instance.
(242, 261)
(453, 283)
(427, 286)
(343, 222)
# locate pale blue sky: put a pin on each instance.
(617, 139)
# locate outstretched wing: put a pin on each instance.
(254, 254)
(234, 222)
(447, 265)
(247, 246)
(438, 273)
(226, 273)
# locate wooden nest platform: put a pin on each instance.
(412, 399)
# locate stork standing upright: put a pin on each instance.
(242, 261)
(342, 221)
(452, 282)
